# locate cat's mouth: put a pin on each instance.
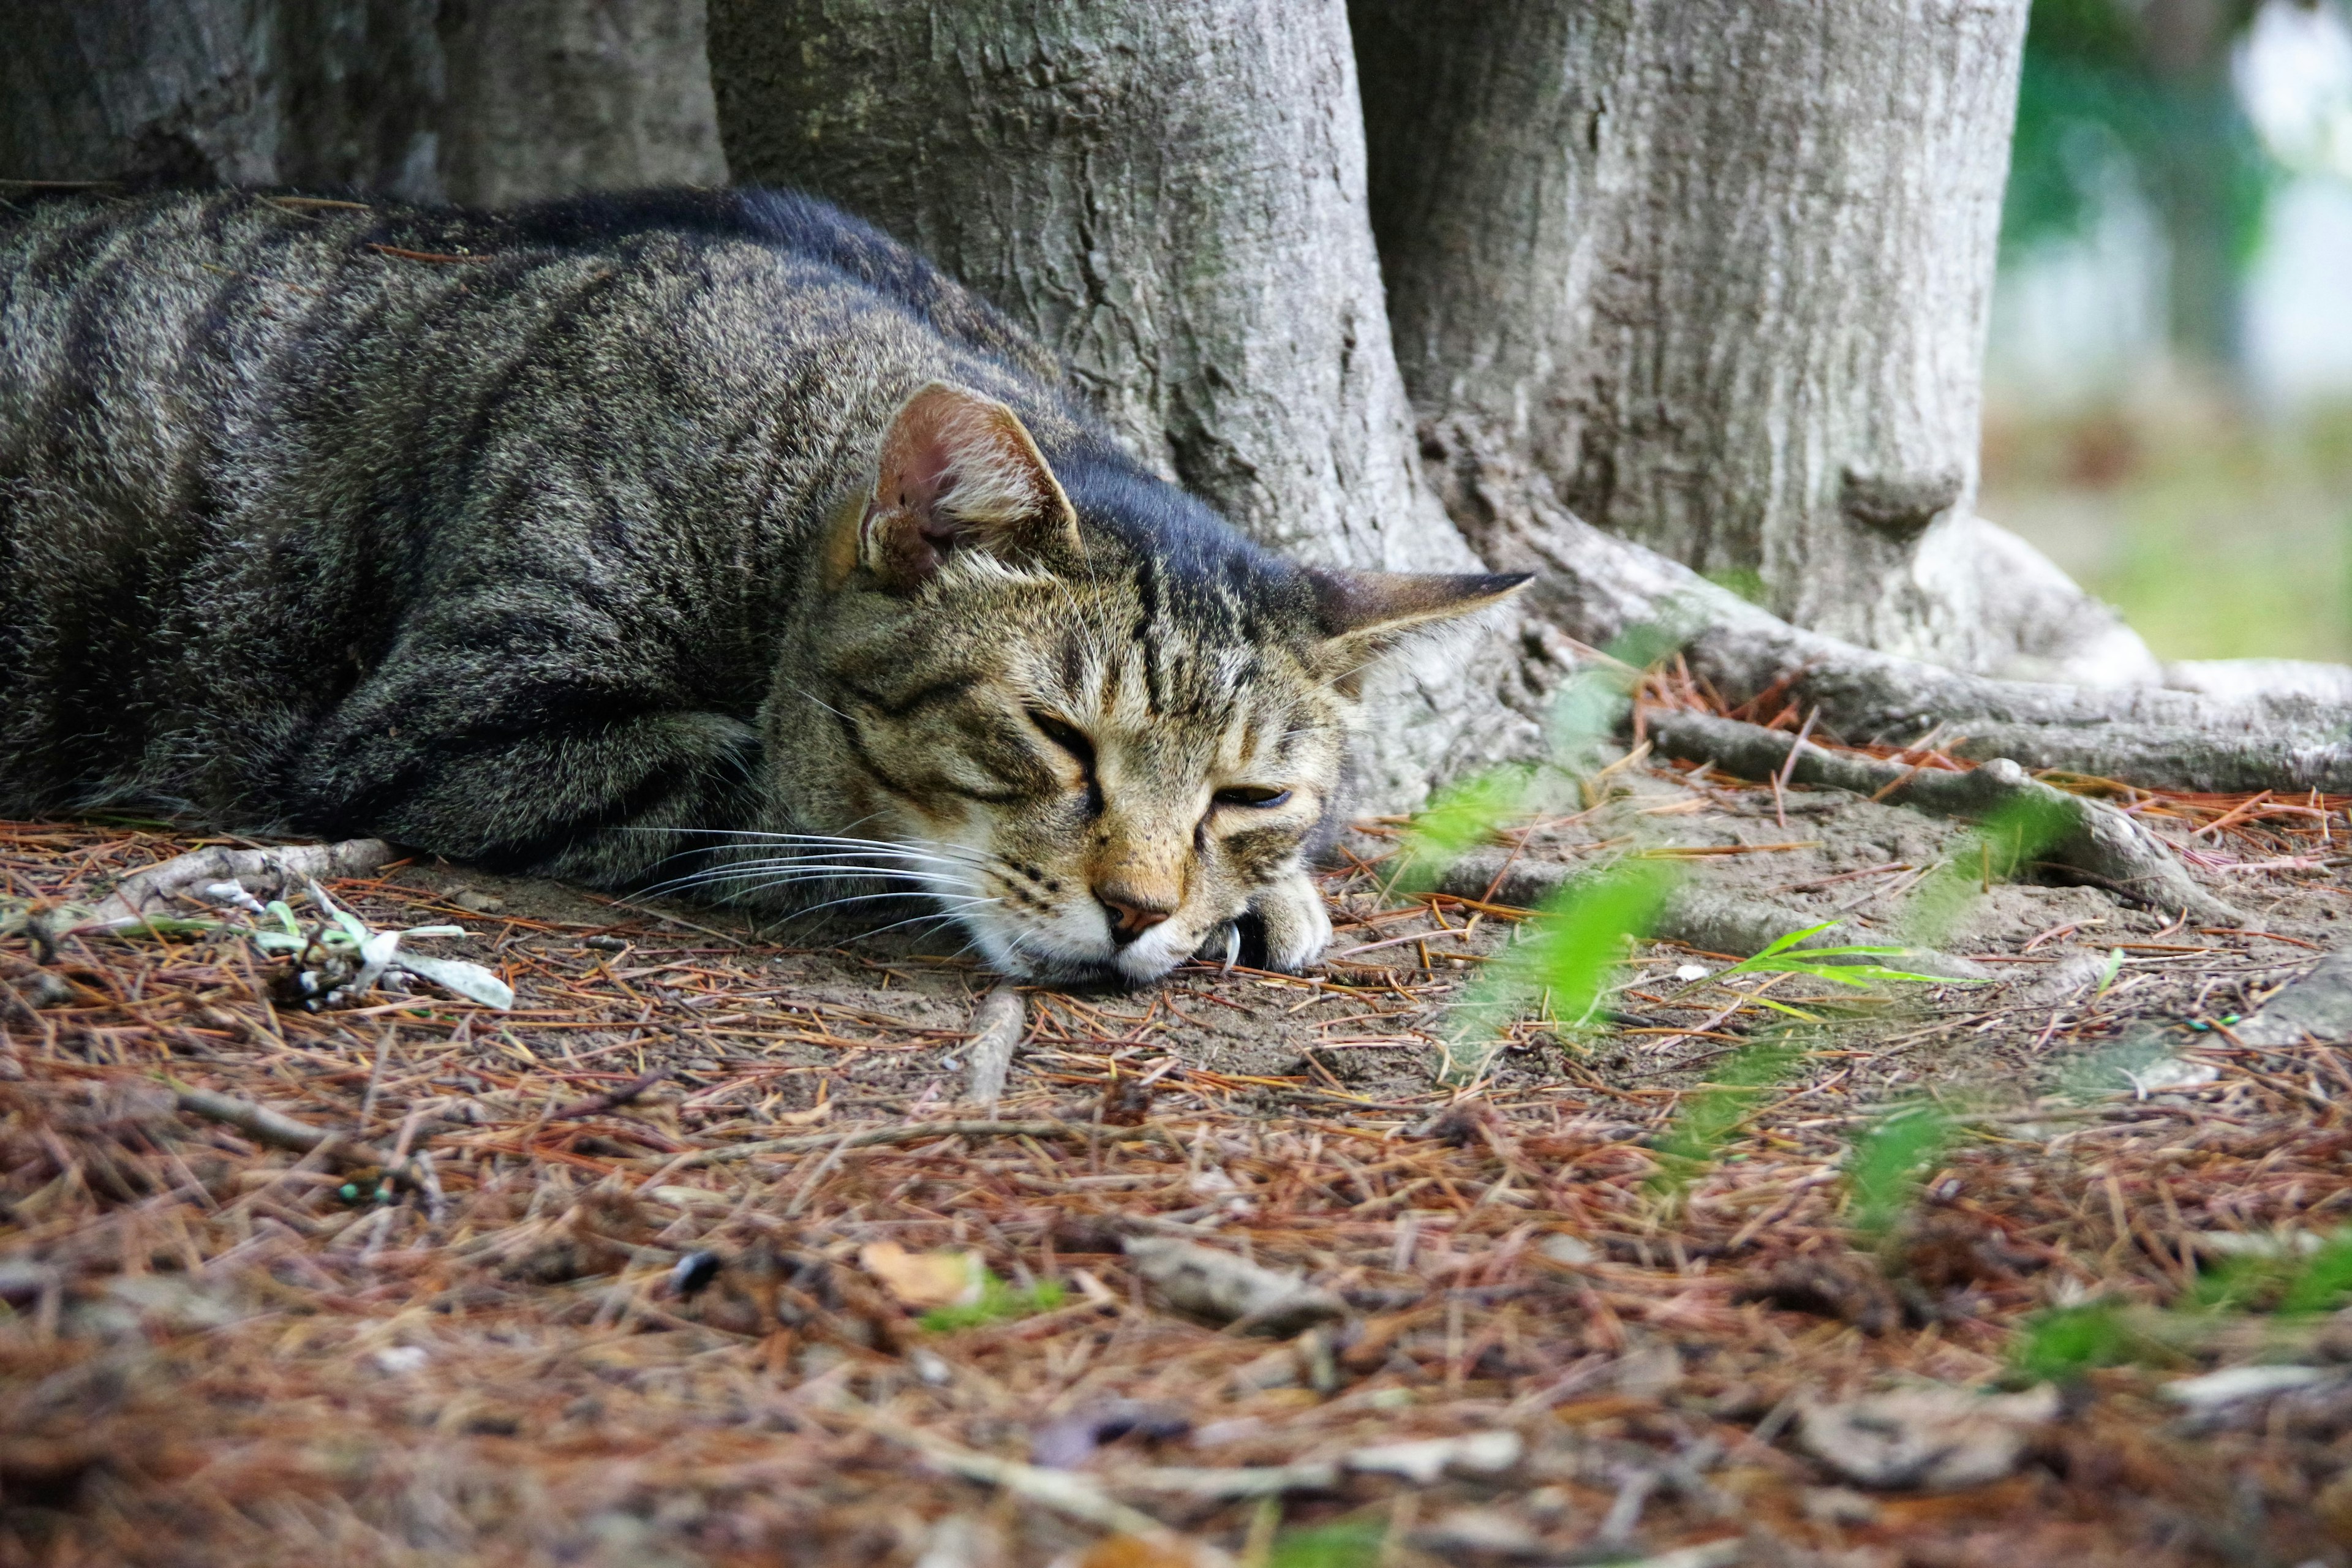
(1048, 956)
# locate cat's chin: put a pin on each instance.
(1140, 963)
(1121, 970)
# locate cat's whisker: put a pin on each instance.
(779, 873)
(813, 696)
(959, 905)
(828, 865)
(758, 877)
(932, 849)
(941, 919)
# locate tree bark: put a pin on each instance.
(1172, 199)
(1722, 267)
(426, 100)
(548, 97)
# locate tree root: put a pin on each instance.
(267, 873)
(1593, 587)
(1695, 915)
(2096, 843)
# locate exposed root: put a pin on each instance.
(2099, 844)
(267, 873)
(1695, 915)
(1594, 587)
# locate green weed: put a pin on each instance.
(1784, 956)
(1883, 1170)
(1350, 1543)
(1743, 580)
(2323, 1280)
(2002, 845)
(1710, 1115)
(1562, 962)
(1461, 815)
(2064, 1343)
(998, 1301)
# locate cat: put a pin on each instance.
(705, 539)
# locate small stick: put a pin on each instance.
(280, 1131)
(997, 1026)
(908, 1132)
(1780, 779)
(611, 1098)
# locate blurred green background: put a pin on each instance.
(2169, 397)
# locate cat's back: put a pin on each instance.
(244, 435)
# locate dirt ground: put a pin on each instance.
(661, 1295)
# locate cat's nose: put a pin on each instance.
(1131, 912)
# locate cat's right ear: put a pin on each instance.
(959, 471)
(1365, 615)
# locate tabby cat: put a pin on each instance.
(609, 538)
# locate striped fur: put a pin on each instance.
(542, 540)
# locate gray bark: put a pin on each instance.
(1722, 269)
(548, 97)
(427, 100)
(1173, 200)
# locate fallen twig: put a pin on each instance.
(280, 1131)
(273, 871)
(911, 1132)
(996, 1030)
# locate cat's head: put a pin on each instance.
(1102, 725)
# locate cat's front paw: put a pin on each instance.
(1297, 928)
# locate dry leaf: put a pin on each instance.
(1144, 1552)
(920, 1281)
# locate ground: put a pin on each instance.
(1657, 1263)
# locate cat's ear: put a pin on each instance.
(1364, 615)
(959, 471)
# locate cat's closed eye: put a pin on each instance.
(1260, 795)
(1066, 736)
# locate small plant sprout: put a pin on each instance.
(1885, 1168)
(2063, 1344)
(1785, 956)
(2323, 1282)
(2001, 847)
(344, 958)
(1569, 952)
(998, 1301)
(1710, 1115)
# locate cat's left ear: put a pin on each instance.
(959, 471)
(1364, 615)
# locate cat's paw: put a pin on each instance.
(1297, 928)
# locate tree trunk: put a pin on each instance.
(1172, 199)
(2200, 182)
(548, 97)
(426, 100)
(1722, 267)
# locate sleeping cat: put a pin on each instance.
(706, 537)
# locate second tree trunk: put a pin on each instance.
(1721, 268)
